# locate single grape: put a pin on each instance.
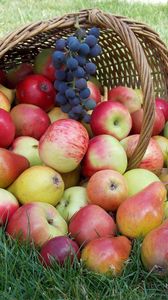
(90, 104)
(84, 49)
(58, 57)
(60, 44)
(73, 115)
(56, 84)
(77, 109)
(95, 51)
(62, 87)
(85, 93)
(81, 60)
(70, 93)
(81, 83)
(79, 72)
(70, 39)
(60, 74)
(72, 63)
(86, 118)
(66, 107)
(90, 68)
(94, 31)
(91, 40)
(74, 45)
(74, 101)
(60, 99)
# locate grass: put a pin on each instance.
(22, 277)
(16, 13)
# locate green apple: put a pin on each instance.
(28, 147)
(163, 143)
(72, 200)
(165, 130)
(138, 179)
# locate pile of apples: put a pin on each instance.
(64, 184)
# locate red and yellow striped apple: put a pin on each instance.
(63, 145)
(7, 129)
(8, 205)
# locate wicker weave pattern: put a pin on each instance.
(133, 55)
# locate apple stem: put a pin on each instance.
(105, 96)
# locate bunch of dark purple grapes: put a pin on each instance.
(71, 59)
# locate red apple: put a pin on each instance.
(127, 96)
(11, 166)
(154, 250)
(104, 152)
(97, 83)
(29, 120)
(7, 129)
(36, 222)
(38, 90)
(137, 118)
(90, 222)
(63, 145)
(17, 74)
(8, 205)
(111, 117)
(153, 158)
(108, 189)
(59, 249)
(94, 91)
(107, 255)
(43, 64)
(162, 104)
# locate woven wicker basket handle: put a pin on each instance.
(128, 37)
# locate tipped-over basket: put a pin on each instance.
(133, 55)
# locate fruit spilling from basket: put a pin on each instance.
(65, 145)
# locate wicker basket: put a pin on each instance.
(133, 55)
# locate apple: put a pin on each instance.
(29, 120)
(17, 74)
(59, 249)
(111, 117)
(28, 147)
(11, 166)
(165, 130)
(90, 222)
(153, 158)
(38, 184)
(162, 104)
(9, 93)
(154, 250)
(138, 179)
(97, 83)
(63, 145)
(137, 118)
(104, 152)
(71, 178)
(95, 93)
(106, 255)
(163, 143)
(72, 200)
(7, 129)
(163, 176)
(36, 222)
(38, 90)
(57, 114)
(43, 64)
(127, 96)
(4, 102)
(8, 205)
(108, 189)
